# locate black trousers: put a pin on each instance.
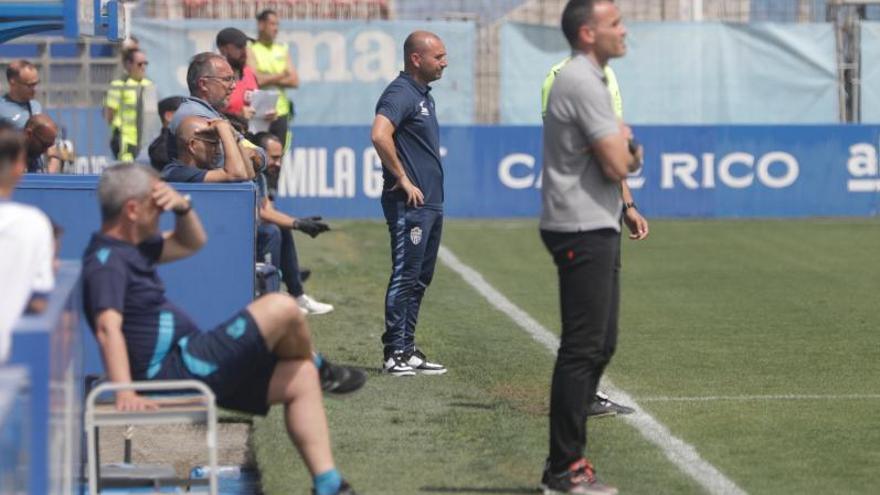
(588, 266)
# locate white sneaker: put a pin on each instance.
(420, 364)
(311, 306)
(396, 365)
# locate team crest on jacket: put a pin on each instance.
(415, 235)
(423, 108)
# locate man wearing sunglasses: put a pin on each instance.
(199, 142)
(124, 106)
(19, 105)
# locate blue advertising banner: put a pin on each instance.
(494, 171)
(690, 171)
(343, 66)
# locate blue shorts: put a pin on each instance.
(232, 359)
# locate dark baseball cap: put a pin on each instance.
(232, 36)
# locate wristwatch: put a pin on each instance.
(189, 206)
(631, 204)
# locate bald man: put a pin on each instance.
(40, 133)
(200, 142)
(407, 137)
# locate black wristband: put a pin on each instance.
(629, 205)
(189, 206)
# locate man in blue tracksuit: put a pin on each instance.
(407, 137)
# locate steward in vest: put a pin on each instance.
(123, 106)
(271, 64)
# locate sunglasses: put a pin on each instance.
(213, 142)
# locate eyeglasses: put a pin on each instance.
(229, 80)
(212, 142)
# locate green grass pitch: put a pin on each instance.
(720, 311)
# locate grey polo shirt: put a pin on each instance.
(575, 194)
(16, 112)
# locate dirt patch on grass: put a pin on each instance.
(533, 400)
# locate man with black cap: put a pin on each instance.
(232, 44)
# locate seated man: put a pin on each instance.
(262, 355)
(286, 251)
(42, 155)
(198, 144)
(202, 144)
(156, 154)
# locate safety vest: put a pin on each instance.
(125, 98)
(610, 82)
(273, 60)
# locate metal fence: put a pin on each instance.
(72, 74)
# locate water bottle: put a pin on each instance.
(223, 472)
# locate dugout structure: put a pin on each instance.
(73, 18)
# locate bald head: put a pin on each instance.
(424, 56)
(189, 127)
(197, 142)
(41, 133)
(418, 42)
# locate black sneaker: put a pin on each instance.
(340, 380)
(395, 365)
(579, 478)
(304, 274)
(603, 406)
(417, 360)
(344, 489)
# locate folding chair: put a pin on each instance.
(191, 408)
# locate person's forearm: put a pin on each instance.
(625, 193)
(233, 159)
(388, 154)
(188, 231)
(115, 354)
(281, 219)
(264, 79)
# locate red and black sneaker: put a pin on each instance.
(579, 478)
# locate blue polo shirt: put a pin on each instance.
(410, 107)
(180, 172)
(122, 276)
(18, 113)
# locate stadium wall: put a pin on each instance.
(690, 171)
(343, 65)
(691, 73)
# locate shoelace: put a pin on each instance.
(582, 472)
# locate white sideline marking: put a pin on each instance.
(680, 453)
(759, 398)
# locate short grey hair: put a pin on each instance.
(120, 183)
(200, 66)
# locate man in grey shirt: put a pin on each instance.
(18, 105)
(586, 158)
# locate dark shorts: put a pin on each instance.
(232, 359)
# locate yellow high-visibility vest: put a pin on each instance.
(610, 82)
(273, 60)
(125, 98)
